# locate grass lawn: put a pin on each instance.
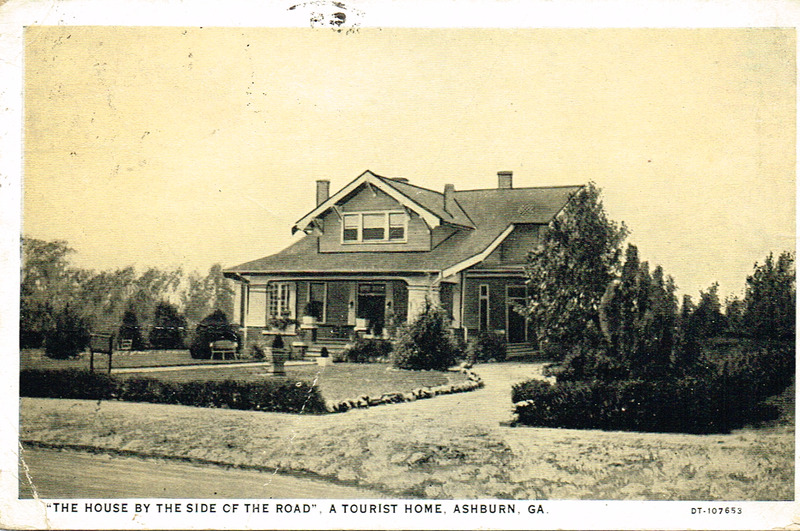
(337, 382)
(340, 381)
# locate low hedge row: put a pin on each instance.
(685, 405)
(268, 395)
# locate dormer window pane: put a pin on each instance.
(350, 232)
(374, 227)
(397, 226)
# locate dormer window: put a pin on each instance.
(374, 227)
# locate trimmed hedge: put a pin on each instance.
(685, 405)
(725, 390)
(66, 383)
(280, 395)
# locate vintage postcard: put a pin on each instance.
(347, 265)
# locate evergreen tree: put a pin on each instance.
(623, 308)
(707, 319)
(69, 335)
(643, 316)
(688, 347)
(734, 316)
(426, 343)
(169, 327)
(770, 299)
(130, 329)
(658, 330)
(570, 271)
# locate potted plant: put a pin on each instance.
(280, 324)
(312, 313)
(324, 357)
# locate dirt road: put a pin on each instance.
(71, 474)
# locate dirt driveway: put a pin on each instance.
(453, 446)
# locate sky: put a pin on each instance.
(188, 146)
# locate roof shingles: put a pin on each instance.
(489, 211)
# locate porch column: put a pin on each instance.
(417, 293)
(237, 317)
(456, 305)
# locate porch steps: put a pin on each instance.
(521, 351)
(334, 346)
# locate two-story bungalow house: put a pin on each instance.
(376, 249)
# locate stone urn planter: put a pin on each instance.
(277, 355)
(277, 358)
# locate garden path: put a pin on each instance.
(490, 405)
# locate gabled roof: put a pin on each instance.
(429, 205)
(491, 212)
(432, 201)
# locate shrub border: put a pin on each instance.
(473, 382)
(231, 394)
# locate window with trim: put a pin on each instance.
(279, 300)
(374, 227)
(483, 307)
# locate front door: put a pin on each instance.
(372, 306)
(516, 324)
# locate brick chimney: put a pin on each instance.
(504, 180)
(449, 198)
(323, 191)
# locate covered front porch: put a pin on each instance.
(315, 310)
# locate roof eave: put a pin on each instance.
(330, 272)
(481, 256)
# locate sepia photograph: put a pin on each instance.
(346, 275)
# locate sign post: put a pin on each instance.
(101, 343)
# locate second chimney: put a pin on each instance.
(504, 180)
(449, 198)
(323, 190)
